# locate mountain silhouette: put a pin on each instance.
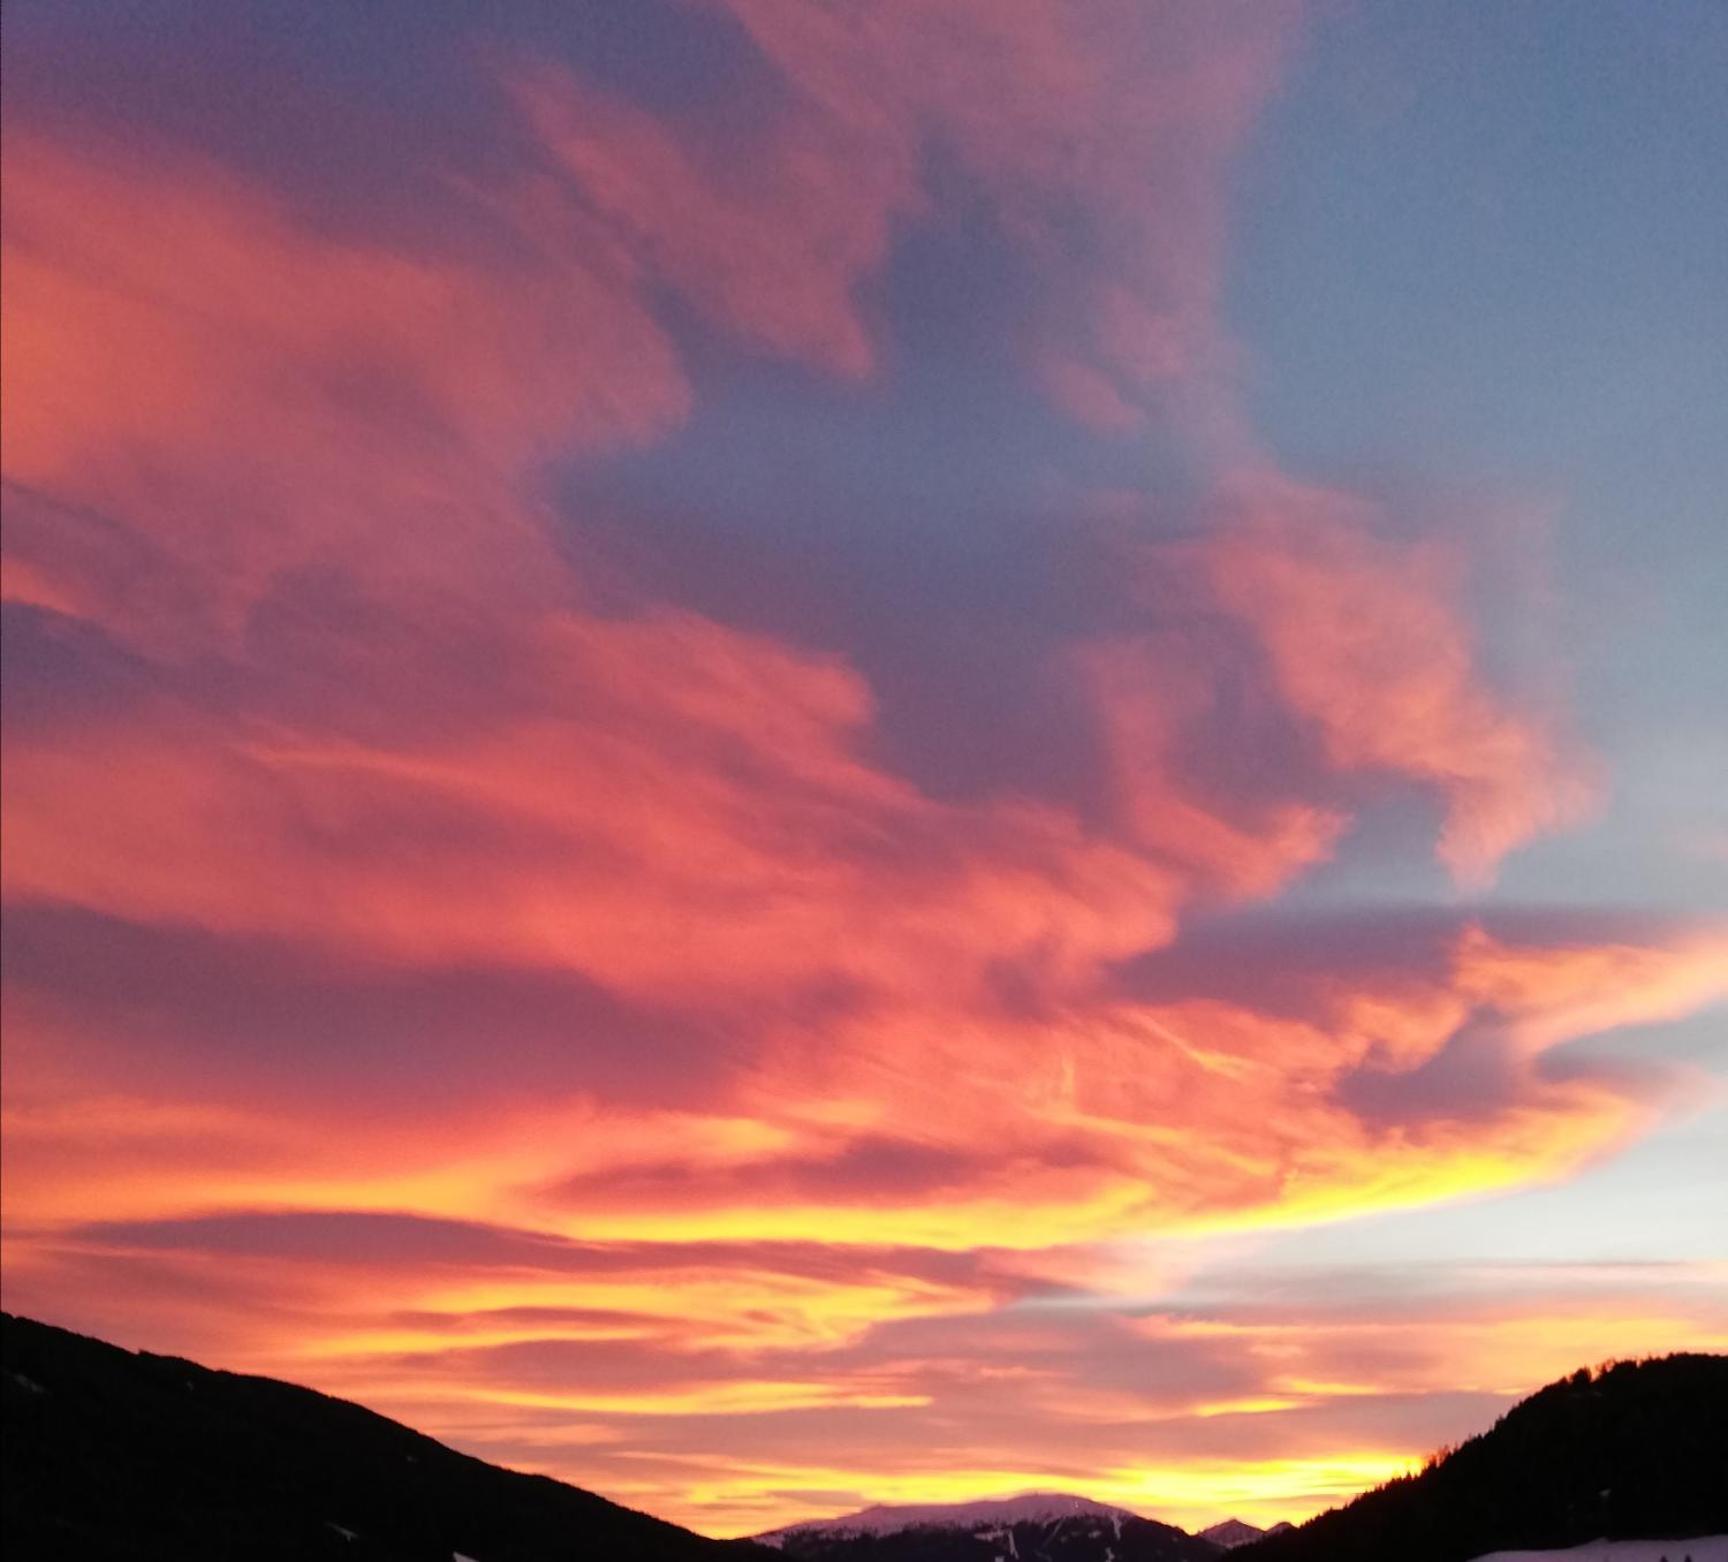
(1635, 1450)
(108, 1455)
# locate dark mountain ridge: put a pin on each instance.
(1231, 1533)
(110, 1455)
(1634, 1450)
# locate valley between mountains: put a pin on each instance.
(112, 1455)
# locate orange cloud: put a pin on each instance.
(202, 389)
(1367, 643)
(595, 1362)
(1556, 993)
(1145, 703)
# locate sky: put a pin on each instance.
(784, 753)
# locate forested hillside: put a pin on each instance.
(1634, 1450)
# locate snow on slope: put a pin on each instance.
(885, 1519)
(1709, 1548)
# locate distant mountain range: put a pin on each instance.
(1636, 1450)
(110, 1455)
(1233, 1533)
(1036, 1527)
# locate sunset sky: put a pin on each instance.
(783, 753)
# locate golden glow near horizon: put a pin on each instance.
(663, 957)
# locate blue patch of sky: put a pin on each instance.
(1659, 1202)
(1487, 244)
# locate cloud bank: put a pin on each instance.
(449, 965)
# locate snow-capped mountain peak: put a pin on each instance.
(890, 1519)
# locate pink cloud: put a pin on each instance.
(1368, 644)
